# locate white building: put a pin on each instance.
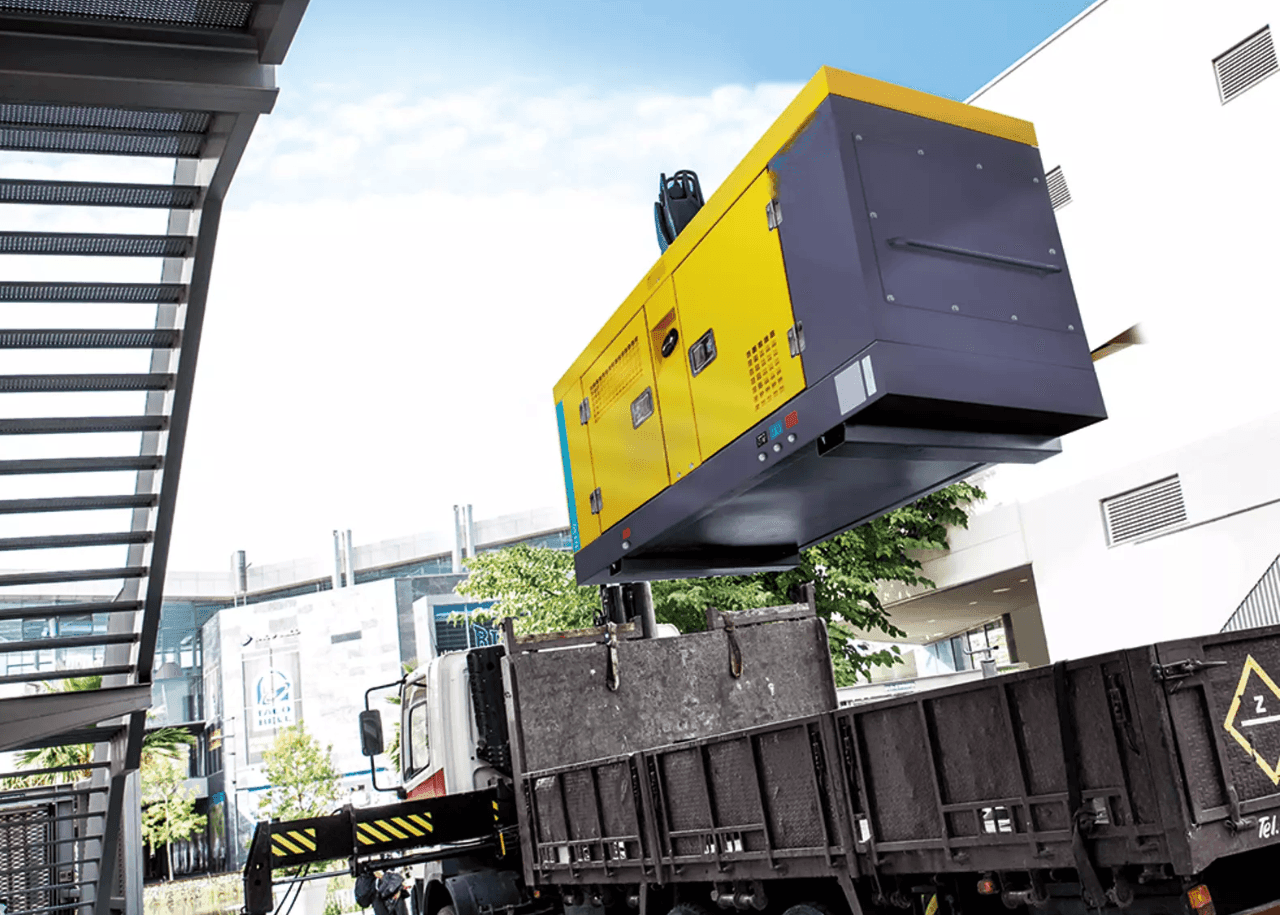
(1158, 522)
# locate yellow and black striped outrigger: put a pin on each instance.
(478, 817)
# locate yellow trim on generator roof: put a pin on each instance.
(827, 81)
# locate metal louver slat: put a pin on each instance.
(56, 425)
(75, 503)
(1245, 65)
(36, 676)
(1147, 510)
(50, 578)
(76, 609)
(146, 293)
(99, 117)
(26, 384)
(81, 465)
(95, 245)
(99, 194)
(88, 339)
(74, 641)
(201, 14)
(61, 541)
(1261, 606)
(101, 142)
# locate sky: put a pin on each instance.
(447, 202)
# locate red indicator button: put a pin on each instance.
(791, 419)
(626, 533)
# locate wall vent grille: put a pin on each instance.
(1140, 512)
(1247, 64)
(1261, 607)
(1059, 193)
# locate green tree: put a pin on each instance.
(168, 808)
(536, 586)
(302, 776)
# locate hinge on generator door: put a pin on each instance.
(773, 214)
(596, 501)
(584, 411)
(795, 339)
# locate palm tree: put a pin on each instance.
(162, 743)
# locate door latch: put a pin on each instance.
(596, 501)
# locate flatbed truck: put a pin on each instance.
(601, 773)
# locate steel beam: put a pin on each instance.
(80, 465)
(27, 720)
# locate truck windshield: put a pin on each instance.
(419, 746)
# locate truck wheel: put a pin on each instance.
(687, 908)
(445, 910)
(807, 908)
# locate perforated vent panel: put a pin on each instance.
(1247, 64)
(206, 14)
(1140, 512)
(1059, 193)
(764, 365)
(26, 866)
(613, 382)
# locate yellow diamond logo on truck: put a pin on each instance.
(1253, 706)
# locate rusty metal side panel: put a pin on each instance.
(982, 776)
(670, 690)
(1223, 698)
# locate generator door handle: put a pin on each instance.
(1003, 260)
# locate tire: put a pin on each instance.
(688, 908)
(446, 910)
(807, 908)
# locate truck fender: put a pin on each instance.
(487, 889)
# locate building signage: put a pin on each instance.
(273, 705)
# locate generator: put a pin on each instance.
(874, 304)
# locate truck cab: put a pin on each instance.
(445, 746)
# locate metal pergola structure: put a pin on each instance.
(100, 102)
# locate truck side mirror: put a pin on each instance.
(371, 732)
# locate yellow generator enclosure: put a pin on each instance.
(874, 304)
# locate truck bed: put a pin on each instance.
(1164, 758)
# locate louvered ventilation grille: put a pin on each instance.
(764, 366)
(1245, 65)
(73, 140)
(1262, 605)
(1144, 511)
(614, 381)
(208, 14)
(70, 193)
(1059, 193)
(104, 118)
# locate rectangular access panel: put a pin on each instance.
(874, 304)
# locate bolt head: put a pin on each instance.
(761, 457)
(888, 298)
(1053, 250)
(919, 152)
(1071, 327)
(873, 215)
(857, 136)
(979, 166)
(955, 307)
(1015, 317)
(1036, 180)
(626, 544)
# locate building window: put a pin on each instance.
(1144, 511)
(1245, 65)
